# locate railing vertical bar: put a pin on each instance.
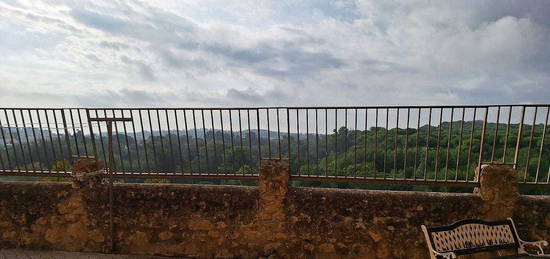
(74, 132)
(288, 132)
(170, 146)
(144, 141)
(518, 139)
(207, 166)
(526, 173)
(58, 139)
(90, 127)
(13, 142)
(482, 141)
(35, 141)
(249, 134)
(197, 141)
(5, 146)
(507, 134)
(346, 136)
(326, 143)
(317, 140)
(279, 134)
(459, 149)
(67, 136)
(386, 141)
(366, 141)
(44, 141)
(395, 143)
(241, 139)
(298, 137)
(450, 132)
(259, 138)
(51, 138)
(438, 143)
(416, 144)
(268, 133)
(178, 135)
(495, 137)
(130, 162)
(375, 141)
(406, 144)
(355, 145)
(3, 165)
(58, 136)
(215, 160)
(155, 158)
(138, 158)
(21, 142)
(307, 141)
(470, 145)
(101, 140)
(100, 137)
(336, 142)
(545, 124)
(427, 143)
(82, 131)
(223, 142)
(33, 166)
(189, 155)
(542, 144)
(162, 151)
(232, 142)
(121, 156)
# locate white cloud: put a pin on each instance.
(131, 53)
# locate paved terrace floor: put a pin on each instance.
(26, 254)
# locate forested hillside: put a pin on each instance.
(424, 153)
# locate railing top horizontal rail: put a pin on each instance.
(281, 107)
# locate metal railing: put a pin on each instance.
(408, 144)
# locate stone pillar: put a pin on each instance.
(498, 190)
(271, 218)
(273, 186)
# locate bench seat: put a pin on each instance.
(472, 236)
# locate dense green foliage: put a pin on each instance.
(450, 151)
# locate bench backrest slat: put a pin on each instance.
(472, 236)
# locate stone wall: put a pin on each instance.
(242, 222)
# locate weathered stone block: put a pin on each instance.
(165, 235)
(87, 173)
(327, 248)
(499, 191)
(200, 224)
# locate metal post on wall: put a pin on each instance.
(110, 166)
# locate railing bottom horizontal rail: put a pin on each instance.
(370, 180)
(313, 178)
(35, 173)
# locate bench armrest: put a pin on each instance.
(448, 255)
(538, 244)
(434, 254)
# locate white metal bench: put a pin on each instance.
(472, 236)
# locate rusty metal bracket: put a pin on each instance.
(110, 166)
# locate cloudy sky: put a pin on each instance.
(254, 52)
